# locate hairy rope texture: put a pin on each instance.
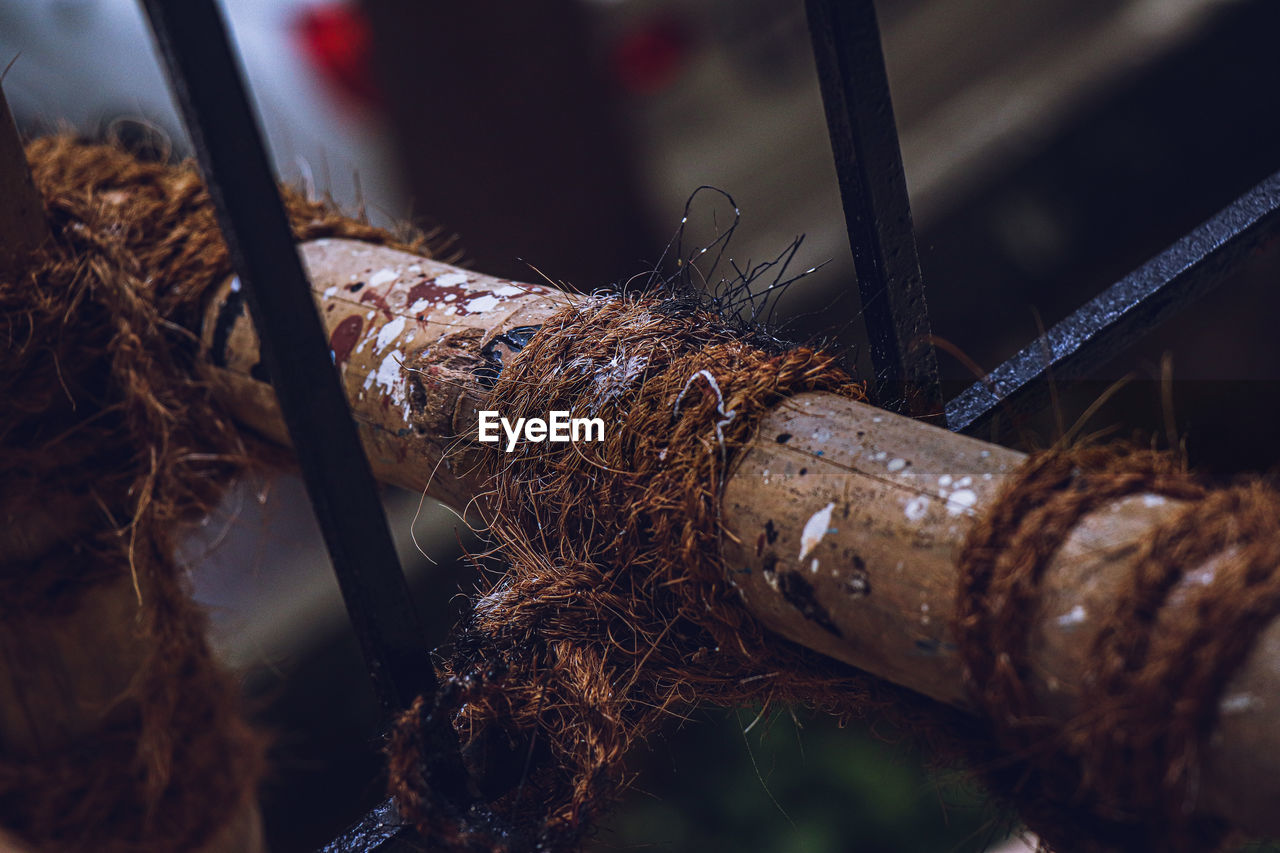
(110, 442)
(1120, 775)
(616, 611)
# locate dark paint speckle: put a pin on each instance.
(858, 584)
(783, 437)
(228, 314)
(798, 592)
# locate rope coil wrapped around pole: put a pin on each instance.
(750, 531)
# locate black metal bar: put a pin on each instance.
(873, 187)
(1124, 312)
(207, 83)
(379, 831)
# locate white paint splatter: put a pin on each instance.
(1074, 616)
(964, 482)
(388, 377)
(413, 268)
(452, 279)
(1153, 500)
(898, 464)
(235, 284)
(420, 306)
(483, 303)
(329, 292)
(389, 333)
(814, 529)
(507, 290)
(384, 276)
(813, 566)
(960, 501)
(944, 480)
(879, 456)
(917, 507)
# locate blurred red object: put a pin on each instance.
(650, 57)
(338, 40)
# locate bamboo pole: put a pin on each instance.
(870, 508)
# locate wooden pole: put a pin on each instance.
(870, 508)
(23, 228)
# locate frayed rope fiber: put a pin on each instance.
(112, 442)
(1121, 774)
(616, 611)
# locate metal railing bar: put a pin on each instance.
(207, 83)
(1124, 312)
(873, 189)
(379, 831)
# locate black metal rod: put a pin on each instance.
(208, 87)
(1125, 312)
(873, 188)
(379, 831)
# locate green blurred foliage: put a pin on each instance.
(794, 784)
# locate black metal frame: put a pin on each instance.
(846, 40)
(877, 212)
(869, 164)
(233, 157)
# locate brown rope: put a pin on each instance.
(111, 442)
(1120, 775)
(616, 612)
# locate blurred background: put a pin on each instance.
(1049, 147)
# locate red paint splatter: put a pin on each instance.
(432, 292)
(379, 301)
(344, 337)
